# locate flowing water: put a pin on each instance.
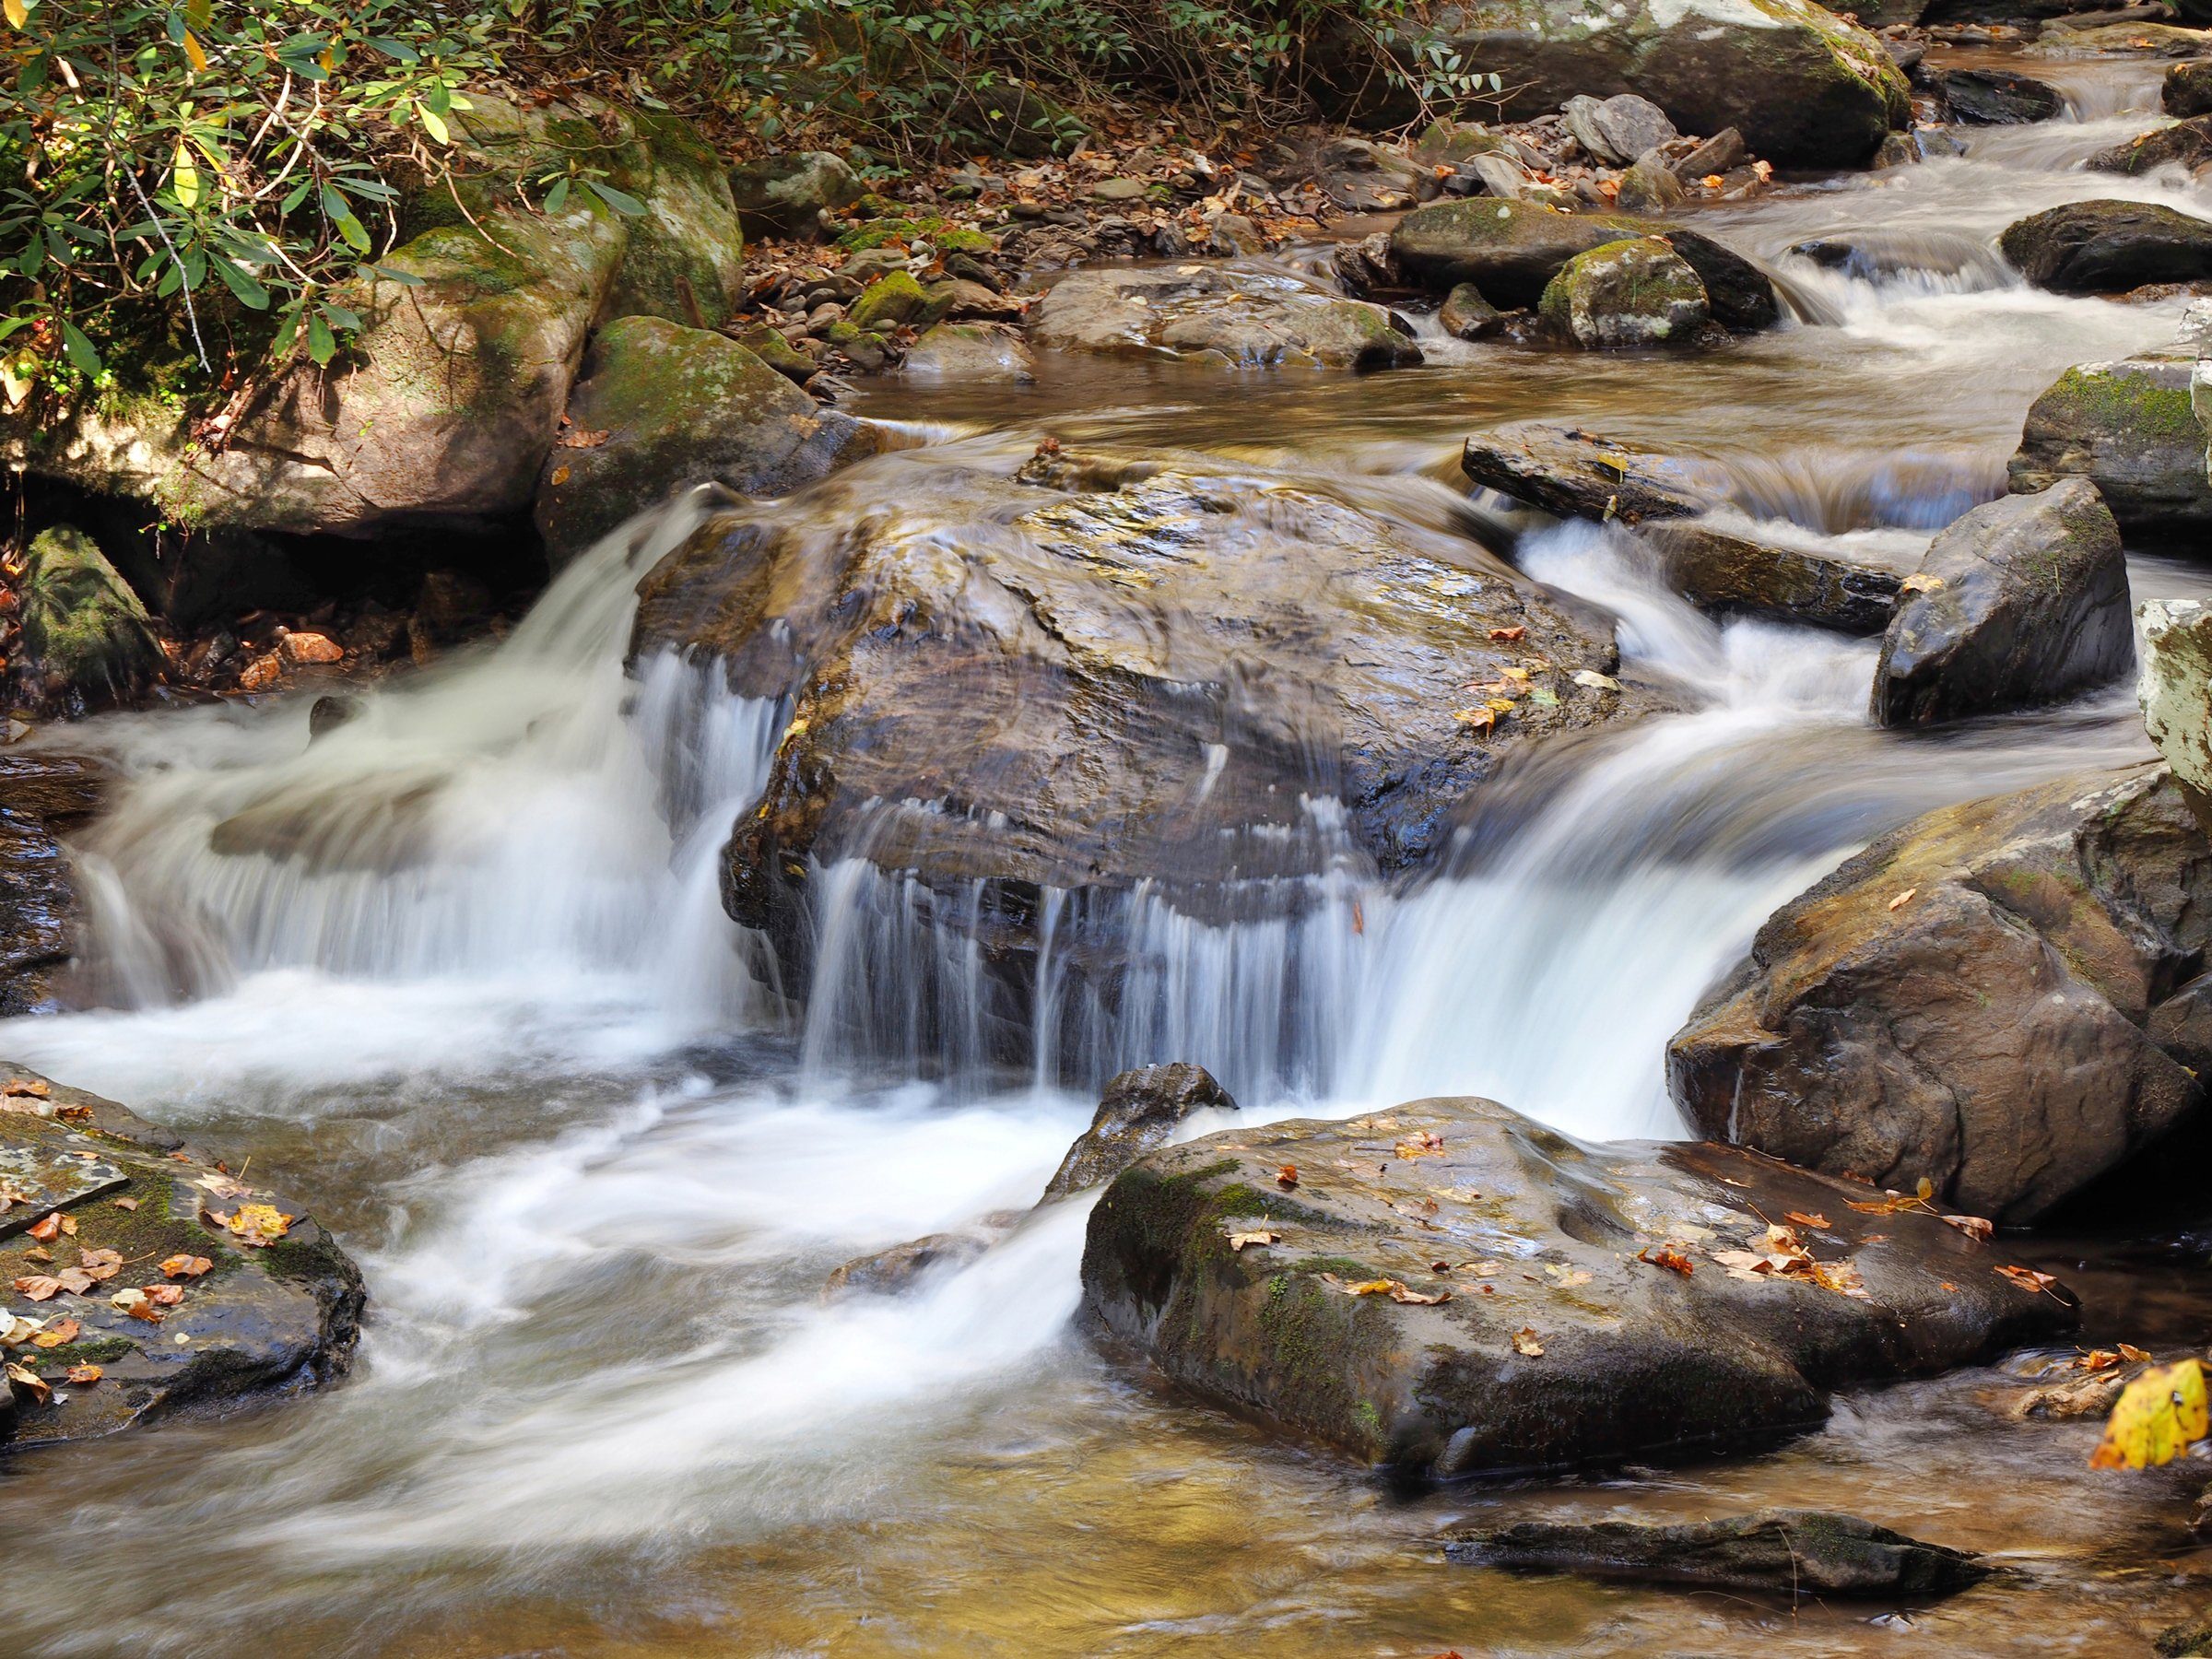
(457, 975)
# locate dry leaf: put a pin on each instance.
(1595, 681)
(126, 1203)
(2158, 1416)
(2027, 1278)
(1286, 1176)
(129, 1300)
(1401, 1294)
(31, 1087)
(578, 438)
(31, 1382)
(1668, 1256)
(1817, 1221)
(60, 1332)
(76, 1280)
(1920, 582)
(192, 1266)
(164, 1296)
(1382, 1286)
(85, 1375)
(1237, 1241)
(101, 1264)
(1508, 636)
(1904, 898)
(47, 1231)
(1425, 1145)
(1973, 1226)
(38, 1287)
(1525, 1342)
(222, 1187)
(2128, 1350)
(37, 1253)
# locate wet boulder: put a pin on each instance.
(1238, 320)
(888, 1272)
(790, 194)
(2175, 689)
(2108, 247)
(1730, 575)
(43, 797)
(1137, 1114)
(1796, 1553)
(1997, 97)
(1509, 250)
(1627, 294)
(1449, 1288)
(1804, 87)
(2186, 144)
(1574, 474)
(1989, 999)
(87, 640)
(1107, 672)
(971, 351)
(2023, 600)
(1466, 315)
(1740, 296)
(179, 1285)
(2187, 89)
(2129, 429)
(660, 406)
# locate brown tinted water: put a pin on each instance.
(504, 1044)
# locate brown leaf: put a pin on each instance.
(186, 1266)
(1668, 1257)
(76, 1280)
(1525, 1342)
(48, 1230)
(60, 1331)
(145, 1311)
(37, 1253)
(1422, 1146)
(1237, 1241)
(164, 1296)
(2128, 1350)
(126, 1203)
(578, 438)
(39, 1287)
(83, 1376)
(1815, 1220)
(1973, 1226)
(31, 1087)
(31, 1382)
(2027, 1278)
(1509, 636)
(1399, 1293)
(102, 1264)
(1286, 1176)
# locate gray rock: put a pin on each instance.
(889, 1271)
(1466, 315)
(1118, 190)
(1617, 129)
(1509, 250)
(1137, 1112)
(1361, 176)
(971, 351)
(86, 641)
(1211, 315)
(2175, 689)
(2187, 89)
(1796, 1553)
(2108, 247)
(1574, 474)
(1733, 575)
(1722, 153)
(1500, 175)
(1741, 295)
(1650, 186)
(43, 797)
(1538, 1327)
(1997, 97)
(2025, 602)
(1367, 267)
(2185, 144)
(1989, 1032)
(787, 194)
(2129, 429)
(1627, 294)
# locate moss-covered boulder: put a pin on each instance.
(2185, 144)
(1804, 87)
(895, 299)
(1205, 314)
(2108, 247)
(2129, 429)
(660, 406)
(87, 638)
(685, 260)
(791, 195)
(178, 1284)
(1632, 293)
(1450, 1289)
(2020, 1021)
(2187, 89)
(2175, 689)
(1509, 250)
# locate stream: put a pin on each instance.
(469, 993)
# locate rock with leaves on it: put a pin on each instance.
(87, 640)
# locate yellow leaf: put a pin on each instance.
(1238, 1241)
(432, 123)
(1920, 582)
(2158, 1415)
(195, 51)
(18, 13)
(186, 180)
(1525, 1342)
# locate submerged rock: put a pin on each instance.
(659, 408)
(275, 1318)
(2023, 600)
(42, 796)
(888, 1271)
(971, 351)
(87, 638)
(2108, 247)
(2128, 428)
(1975, 1000)
(1575, 474)
(1635, 293)
(1210, 315)
(1137, 1112)
(1731, 575)
(1449, 1288)
(1797, 1553)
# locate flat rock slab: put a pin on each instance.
(1572, 1333)
(259, 1319)
(1797, 1553)
(1575, 474)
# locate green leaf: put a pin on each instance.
(558, 195)
(250, 292)
(356, 237)
(622, 202)
(82, 355)
(299, 194)
(342, 317)
(322, 345)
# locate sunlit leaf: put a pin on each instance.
(2156, 1417)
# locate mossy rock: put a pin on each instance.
(1639, 292)
(85, 632)
(1509, 250)
(2129, 427)
(770, 345)
(896, 300)
(686, 257)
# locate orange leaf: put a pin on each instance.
(85, 1375)
(60, 1331)
(1286, 1176)
(46, 1232)
(1802, 1219)
(1668, 1257)
(186, 1266)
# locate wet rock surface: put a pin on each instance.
(41, 797)
(1997, 97)
(2175, 689)
(2001, 998)
(2128, 428)
(1139, 1112)
(1242, 320)
(99, 1195)
(1726, 574)
(1796, 1553)
(1627, 294)
(1509, 250)
(1449, 1288)
(2107, 247)
(2186, 90)
(2024, 600)
(1575, 474)
(2186, 144)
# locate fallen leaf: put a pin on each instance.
(222, 1187)
(2129, 1351)
(1286, 1176)
(31, 1382)
(128, 1299)
(76, 1280)
(1974, 1226)
(85, 1375)
(1904, 898)
(47, 1231)
(1525, 1342)
(16, 1329)
(1426, 1145)
(1712, 181)
(2027, 1278)
(1509, 636)
(1596, 681)
(145, 1311)
(1382, 1286)
(1668, 1257)
(1237, 1241)
(164, 1296)
(578, 438)
(27, 1086)
(38, 1287)
(126, 1203)
(1814, 1221)
(560, 475)
(1920, 582)
(1401, 1294)
(37, 1253)
(2156, 1419)
(1483, 1269)
(102, 1264)
(192, 1266)
(60, 1332)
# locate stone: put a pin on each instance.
(2119, 40)
(2185, 144)
(2174, 687)
(1650, 186)
(328, 712)
(43, 797)
(1566, 1341)
(1509, 250)
(1880, 255)
(1729, 575)
(86, 641)
(1796, 1553)
(2129, 429)
(306, 648)
(773, 348)
(896, 300)
(888, 1272)
(1210, 315)
(1741, 296)
(1466, 315)
(1361, 176)
(789, 194)
(1500, 175)
(971, 351)
(660, 407)
(968, 639)
(1627, 294)
(684, 256)
(1990, 1033)
(2187, 89)
(1722, 153)
(1617, 129)
(1997, 97)
(1574, 474)
(1118, 190)
(1366, 268)
(2108, 247)
(262, 1321)
(1137, 1114)
(2025, 602)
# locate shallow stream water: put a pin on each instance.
(466, 989)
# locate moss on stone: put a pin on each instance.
(80, 619)
(2111, 399)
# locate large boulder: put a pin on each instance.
(43, 797)
(1205, 314)
(1574, 474)
(684, 256)
(1509, 250)
(1730, 575)
(1115, 674)
(2186, 144)
(2109, 40)
(2128, 428)
(1137, 1114)
(87, 638)
(2002, 998)
(2175, 689)
(660, 406)
(1449, 1288)
(792, 195)
(1633, 293)
(2023, 600)
(177, 1286)
(2108, 247)
(1997, 97)
(1804, 87)
(2187, 89)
